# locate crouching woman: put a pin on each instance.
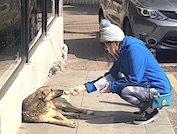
(142, 75)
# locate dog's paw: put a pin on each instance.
(72, 124)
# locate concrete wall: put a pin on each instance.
(81, 1)
(32, 76)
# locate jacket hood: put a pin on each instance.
(127, 41)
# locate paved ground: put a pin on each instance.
(86, 61)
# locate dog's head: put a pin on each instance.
(46, 93)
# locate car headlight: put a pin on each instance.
(153, 14)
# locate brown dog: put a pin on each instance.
(47, 105)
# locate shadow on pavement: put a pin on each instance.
(108, 117)
(90, 49)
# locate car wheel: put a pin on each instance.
(101, 16)
(127, 28)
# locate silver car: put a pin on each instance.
(153, 21)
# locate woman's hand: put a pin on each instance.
(105, 90)
(77, 90)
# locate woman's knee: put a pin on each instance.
(126, 91)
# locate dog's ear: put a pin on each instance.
(46, 92)
(42, 96)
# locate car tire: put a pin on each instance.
(101, 16)
(127, 28)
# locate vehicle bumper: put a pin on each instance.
(157, 34)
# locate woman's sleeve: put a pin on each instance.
(112, 73)
(114, 70)
(100, 83)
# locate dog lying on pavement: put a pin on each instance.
(47, 105)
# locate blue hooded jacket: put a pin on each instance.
(138, 65)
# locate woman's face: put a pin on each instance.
(111, 47)
(107, 46)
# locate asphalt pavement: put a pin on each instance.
(86, 61)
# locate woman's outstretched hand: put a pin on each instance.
(77, 90)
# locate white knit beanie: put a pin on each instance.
(110, 32)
